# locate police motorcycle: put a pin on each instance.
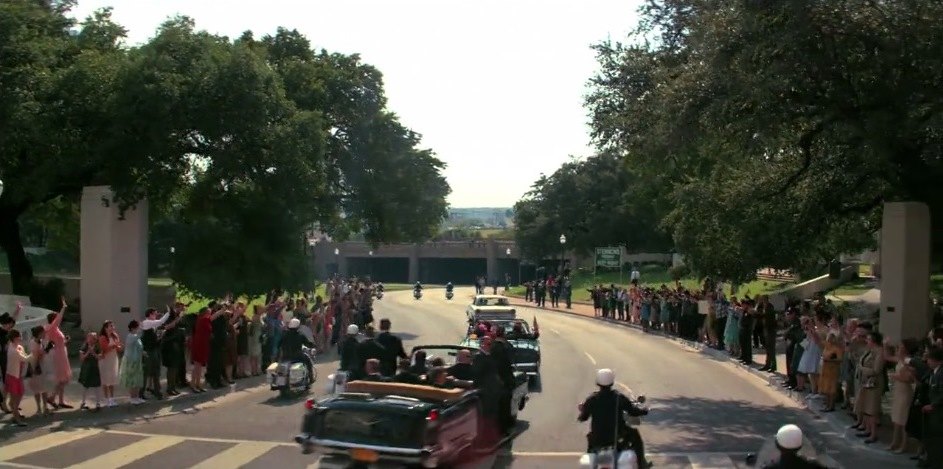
(290, 378)
(417, 291)
(379, 291)
(789, 438)
(449, 294)
(619, 455)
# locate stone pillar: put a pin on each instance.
(113, 259)
(905, 266)
(491, 261)
(414, 263)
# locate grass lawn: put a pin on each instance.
(655, 276)
(855, 287)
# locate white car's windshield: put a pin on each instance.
(492, 302)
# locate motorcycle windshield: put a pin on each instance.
(769, 453)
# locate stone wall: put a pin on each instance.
(809, 288)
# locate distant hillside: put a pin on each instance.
(480, 217)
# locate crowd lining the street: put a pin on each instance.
(838, 360)
(222, 342)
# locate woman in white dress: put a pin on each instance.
(110, 346)
(811, 362)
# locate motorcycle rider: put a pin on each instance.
(608, 427)
(449, 287)
(417, 288)
(291, 345)
(789, 441)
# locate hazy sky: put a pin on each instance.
(495, 87)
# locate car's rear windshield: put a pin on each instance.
(379, 427)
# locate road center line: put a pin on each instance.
(555, 331)
(625, 388)
(590, 357)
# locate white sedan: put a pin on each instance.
(490, 307)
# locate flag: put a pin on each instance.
(536, 327)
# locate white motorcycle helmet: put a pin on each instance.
(605, 377)
(353, 329)
(789, 437)
(294, 323)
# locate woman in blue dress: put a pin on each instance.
(732, 329)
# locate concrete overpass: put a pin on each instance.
(459, 262)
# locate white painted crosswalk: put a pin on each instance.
(97, 448)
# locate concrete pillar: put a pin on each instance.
(342, 265)
(905, 266)
(491, 261)
(113, 259)
(414, 263)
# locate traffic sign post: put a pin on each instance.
(609, 257)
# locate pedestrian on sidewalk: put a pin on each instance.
(766, 311)
(34, 371)
(131, 376)
(832, 352)
(110, 345)
(151, 350)
(732, 327)
(89, 374)
(903, 378)
(747, 320)
(17, 358)
(60, 357)
(871, 376)
(793, 335)
(7, 321)
(172, 351)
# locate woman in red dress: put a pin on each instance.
(200, 348)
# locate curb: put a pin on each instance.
(772, 380)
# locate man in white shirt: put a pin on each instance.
(635, 275)
(151, 343)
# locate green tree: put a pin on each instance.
(239, 145)
(777, 129)
(595, 202)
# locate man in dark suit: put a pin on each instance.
(503, 353)
(933, 412)
(462, 369)
(392, 345)
(370, 348)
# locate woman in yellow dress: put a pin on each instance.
(832, 353)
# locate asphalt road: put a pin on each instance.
(704, 413)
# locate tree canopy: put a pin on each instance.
(776, 130)
(240, 145)
(595, 202)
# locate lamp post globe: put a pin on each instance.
(562, 253)
(1, 187)
(337, 252)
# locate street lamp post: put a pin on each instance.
(1, 187)
(562, 252)
(371, 265)
(337, 265)
(507, 284)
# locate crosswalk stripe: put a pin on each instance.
(709, 461)
(42, 443)
(237, 456)
(130, 453)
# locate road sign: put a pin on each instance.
(609, 257)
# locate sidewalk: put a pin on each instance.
(183, 402)
(839, 420)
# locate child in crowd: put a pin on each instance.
(89, 376)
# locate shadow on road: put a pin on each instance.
(278, 401)
(706, 424)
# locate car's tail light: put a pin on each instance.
(433, 415)
(310, 404)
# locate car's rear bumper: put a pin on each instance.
(339, 453)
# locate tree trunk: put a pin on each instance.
(21, 271)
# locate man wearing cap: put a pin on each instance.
(789, 441)
(6, 325)
(291, 344)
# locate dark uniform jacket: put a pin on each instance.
(393, 346)
(606, 407)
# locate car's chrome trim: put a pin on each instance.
(379, 449)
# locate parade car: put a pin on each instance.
(526, 342)
(386, 424)
(486, 305)
(392, 424)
